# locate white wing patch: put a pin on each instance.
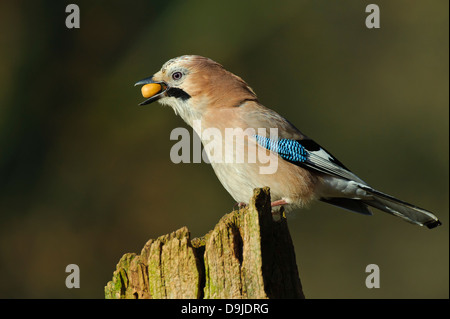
(325, 162)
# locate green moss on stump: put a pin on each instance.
(246, 255)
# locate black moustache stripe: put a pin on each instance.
(178, 93)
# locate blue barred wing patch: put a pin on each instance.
(307, 154)
(289, 150)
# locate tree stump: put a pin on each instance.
(248, 254)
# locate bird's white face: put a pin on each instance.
(192, 84)
(170, 83)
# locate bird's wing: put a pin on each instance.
(307, 153)
(292, 145)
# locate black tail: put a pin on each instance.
(394, 206)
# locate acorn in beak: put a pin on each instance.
(152, 90)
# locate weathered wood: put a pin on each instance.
(247, 255)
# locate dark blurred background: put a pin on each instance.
(85, 173)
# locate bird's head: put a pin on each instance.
(193, 84)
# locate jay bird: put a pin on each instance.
(202, 92)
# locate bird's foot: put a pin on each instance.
(239, 205)
(278, 209)
(278, 203)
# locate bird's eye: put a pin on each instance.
(177, 75)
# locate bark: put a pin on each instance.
(249, 254)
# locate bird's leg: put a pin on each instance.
(278, 203)
(239, 205)
(277, 213)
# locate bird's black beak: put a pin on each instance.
(154, 93)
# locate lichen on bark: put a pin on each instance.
(247, 255)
